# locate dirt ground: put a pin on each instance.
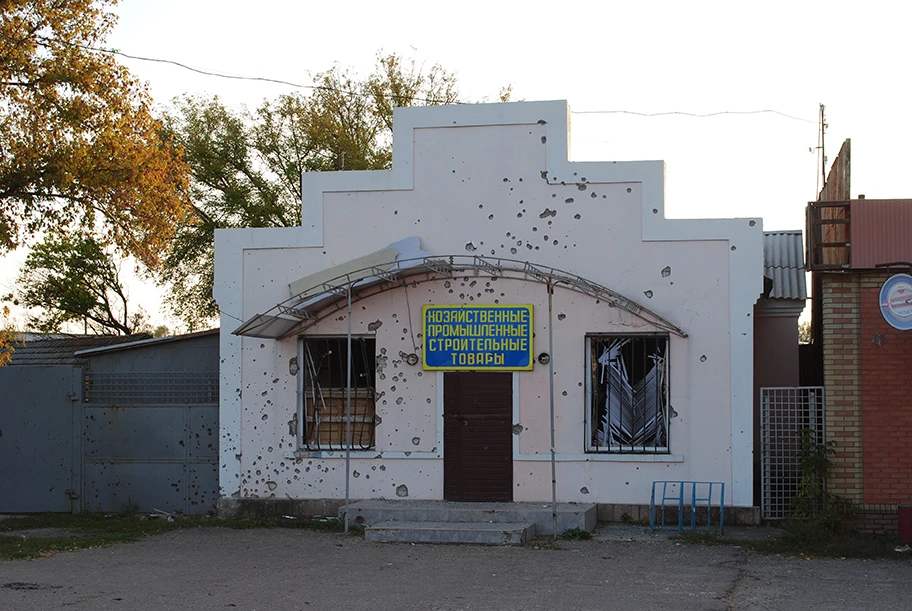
(623, 568)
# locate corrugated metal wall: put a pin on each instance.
(881, 232)
(150, 452)
(138, 429)
(151, 427)
(38, 437)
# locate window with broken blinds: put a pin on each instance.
(627, 393)
(324, 397)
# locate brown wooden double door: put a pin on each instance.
(478, 436)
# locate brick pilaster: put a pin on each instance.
(842, 381)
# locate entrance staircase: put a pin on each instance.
(459, 522)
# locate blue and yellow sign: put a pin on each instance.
(486, 337)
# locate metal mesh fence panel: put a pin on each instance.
(152, 388)
(784, 412)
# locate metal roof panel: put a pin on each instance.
(58, 350)
(783, 263)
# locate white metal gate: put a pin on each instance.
(784, 412)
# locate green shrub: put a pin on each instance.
(576, 534)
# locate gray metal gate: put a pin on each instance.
(784, 412)
(150, 441)
(38, 438)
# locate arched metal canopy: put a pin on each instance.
(323, 298)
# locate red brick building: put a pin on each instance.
(854, 247)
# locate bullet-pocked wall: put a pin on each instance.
(495, 181)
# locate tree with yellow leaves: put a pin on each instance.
(79, 146)
(8, 340)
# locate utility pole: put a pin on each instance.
(821, 146)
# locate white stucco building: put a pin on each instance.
(649, 337)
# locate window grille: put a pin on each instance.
(627, 393)
(784, 412)
(151, 388)
(325, 397)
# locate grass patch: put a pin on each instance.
(26, 548)
(97, 523)
(356, 530)
(576, 534)
(808, 538)
(72, 532)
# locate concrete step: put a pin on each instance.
(569, 515)
(478, 533)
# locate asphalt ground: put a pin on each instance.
(624, 567)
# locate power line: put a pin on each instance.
(230, 316)
(688, 114)
(263, 79)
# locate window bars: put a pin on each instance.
(325, 393)
(784, 412)
(628, 393)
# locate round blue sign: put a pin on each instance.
(896, 301)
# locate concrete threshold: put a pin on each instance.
(568, 516)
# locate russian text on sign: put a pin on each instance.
(478, 337)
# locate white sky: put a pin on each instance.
(646, 57)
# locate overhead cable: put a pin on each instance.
(263, 79)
